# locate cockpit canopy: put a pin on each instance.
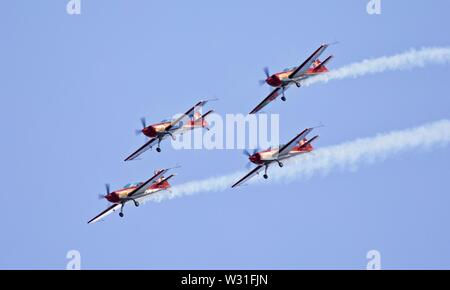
(289, 69)
(132, 184)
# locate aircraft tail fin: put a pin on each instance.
(307, 143)
(320, 66)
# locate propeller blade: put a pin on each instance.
(261, 82)
(107, 187)
(250, 153)
(248, 166)
(143, 122)
(266, 71)
(137, 132)
(101, 196)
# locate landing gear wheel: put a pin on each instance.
(136, 203)
(265, 176)
(280, 164)
(121, 214)
(158, 149)
(298, 85)
(283, 99)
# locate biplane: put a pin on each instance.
(133, 192)
(281, 81)
(190, 120)
(263, 159)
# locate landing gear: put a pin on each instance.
(298, 85)
(136, 203)
(283, 98)
(171, 135)
(280, 164)
(158, 149)
(265, 172)
(121, 210)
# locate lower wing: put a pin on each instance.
(105, 213)
(271, 97)
(142, 149)
(247, 177)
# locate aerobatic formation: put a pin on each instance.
(192, 119)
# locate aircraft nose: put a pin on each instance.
(273, 81)
(149, 131)
(254, 158)
(111, 197)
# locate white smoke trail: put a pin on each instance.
(346, 156)
(407, 60)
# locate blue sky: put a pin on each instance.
(74, 88)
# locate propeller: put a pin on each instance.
(107, 187)
(267, 73)
(249, 153)
(144, 125)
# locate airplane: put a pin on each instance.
(160, 131)
(133, 192)
(298, 145)
(281, 81)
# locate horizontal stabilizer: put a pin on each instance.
(321, 67)
(207, 113)
(310, 141)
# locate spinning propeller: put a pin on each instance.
(101, 196)
(267, 73)
(144, 125)
(248, 154)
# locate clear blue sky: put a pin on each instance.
(74, 87)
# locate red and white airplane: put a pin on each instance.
(281, 81)
(298, 145)
(133, 192)
(190, 120)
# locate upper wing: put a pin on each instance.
(288, 147)
(272, 96)
(189, 113)
(142, 149)
(141, 189)
(308, 62)
(104, 213)
(252, 173)
(143, 194)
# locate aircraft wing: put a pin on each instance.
(299, 71)
(143, 187)
(271, 97)
(142, 149)
(189, 114)
(105, 213)
(285, 149)
(247, 177)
